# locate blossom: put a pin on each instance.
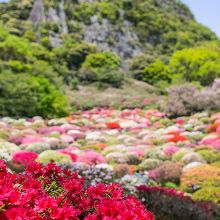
(24, 157)
(113, 125)
(170, 150)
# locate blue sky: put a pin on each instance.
(206, 12)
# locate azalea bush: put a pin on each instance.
(93, 175)
(199, 177)
(169, 172)
(50, 193)
(168, 204)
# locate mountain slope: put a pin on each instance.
(125, 27)
(53, 46)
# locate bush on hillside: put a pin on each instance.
(155, 72)
(196, 64)
(26, 96)
(139, 64)
(102, 67)
(187, 99)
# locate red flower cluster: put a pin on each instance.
(24, 157)
(50, 193)
(176, 137)
(113, 125)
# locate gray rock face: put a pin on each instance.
(59, 17)
(37, 12)
(63, 17)
(123, 40)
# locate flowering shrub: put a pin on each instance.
(169, 172)
(92, 175)
(24, 157)
(192, 157)
(170, 150)
(208, 194)
(15, 139)
(113, 125)
(168, 204)
(121, 170)
(176, 137)
(139, 151)
(209, 156)
(180, 154)
(7, 147)
(200, 177)
(91, 158)
(53, 156)
(31, 139)
(72, 155)
(49, 193)
(150, 164)
(37, 147)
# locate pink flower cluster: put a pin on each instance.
(91, 158)
(24, 157)
(170, 150)
(50, 193)
(212, 141)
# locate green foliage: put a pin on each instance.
(196, 64)
(3, 33)
(17, 95)
(209, 156)
(102, 67)
(106, 60)
(84, 11)
(45, 41)
(208, 194)
(170, 185)
(76, 54)
(138, 65)
(180, 154)
(52, 102)
(110, 11)
(26, 96)
(155, 72)
(53, 156)
(201, 177)
(15, 48)
(30, 35)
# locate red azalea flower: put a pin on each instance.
(113, 125)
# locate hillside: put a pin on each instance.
(58, 45)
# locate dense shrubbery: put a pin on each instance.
(50, 193)
(187, 99)
(29, 96)
(103, 67)
(171, 205)
(66, 61)
(197, 64)
(155, 72)
(200, 177)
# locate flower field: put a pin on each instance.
(168, 164)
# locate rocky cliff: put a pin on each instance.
(125, 27)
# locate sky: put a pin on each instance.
(206, 12)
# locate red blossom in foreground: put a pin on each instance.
(51, 193)
(113, 125)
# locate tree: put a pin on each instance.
(196, 64)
